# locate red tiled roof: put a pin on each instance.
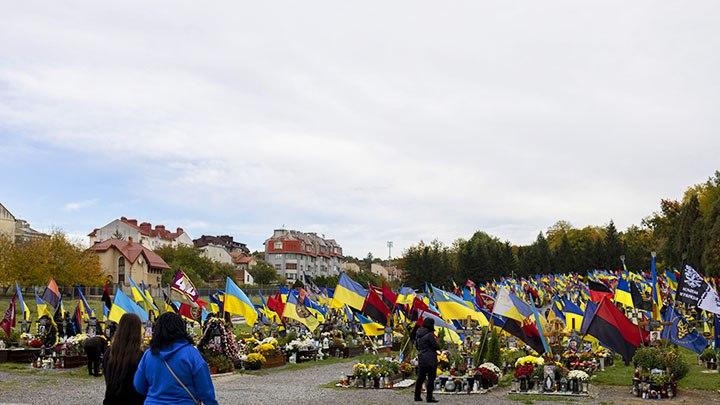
(239, 258)
(146, 229)
(132, 251)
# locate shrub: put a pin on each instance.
(708, 354)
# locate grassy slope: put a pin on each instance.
(620, 374)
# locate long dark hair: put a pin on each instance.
(168, 329)
(125, 354)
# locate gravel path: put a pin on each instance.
(279, 386)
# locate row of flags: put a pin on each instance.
(522, 308)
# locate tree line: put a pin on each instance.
(680, 232)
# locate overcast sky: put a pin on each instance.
(383, 121)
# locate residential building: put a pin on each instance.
(388, 272)
(243, 262)
(225, 241)
(216, 253)
(296, 254)
(350, 267)
(125, 259)
(243, 277)
(220, 248)
(16, 230)
(144, 233)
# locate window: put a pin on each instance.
(290, 276)
(277, 267)
(121, 269)
(277, 245)
(291, 266)
(278, 257)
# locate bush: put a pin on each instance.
(708, 354)
(663, 358)
(648, 358)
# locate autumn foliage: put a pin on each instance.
(33, 263)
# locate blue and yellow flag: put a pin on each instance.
(300, 313)
(622, 293)
(122, 304)
(349, 292)
(237, 303)
(453, 307)
(21, 303)
(370, 327)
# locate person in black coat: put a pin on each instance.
(94, 348)
(427, 346)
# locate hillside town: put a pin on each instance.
(126, 249)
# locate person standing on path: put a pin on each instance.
(427, 346)
(121, 361)
(172, 371)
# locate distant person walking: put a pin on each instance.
(172, 371)
(427, 346)
(121, 361)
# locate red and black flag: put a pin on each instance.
(388, 296)
(614, 330)
(275, 304)
(599, 290)
(375, 308)
(8, 321)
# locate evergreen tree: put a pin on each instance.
(611, 248)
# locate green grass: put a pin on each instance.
(26, 369)
(620, 374)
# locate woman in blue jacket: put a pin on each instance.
(172, 370)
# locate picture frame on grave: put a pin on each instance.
(511, 343)
(654, 336)
(549, 378)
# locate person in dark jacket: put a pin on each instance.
(94, 348)
(173, 371)
(427, 346)
(121, 361)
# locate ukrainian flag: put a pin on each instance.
(124, 305)
(453, 307)
(85, 309)
(451, 334)
(671, 279)
(505, 306)
(42, 307)
(140, 298)
(622, 293)
(300, 313)
(236, 302)
(370, 327)
(405, 296)
(573, 315)
(23, 308)
(349, 292)
(656, 298)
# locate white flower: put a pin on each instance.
(491, 367)
(578, 375)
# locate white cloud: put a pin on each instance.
(79, 205)
(378, 121)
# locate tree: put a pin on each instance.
(199, 268)
(263, 273)
(35, 261)
(611, 248)
(564, 257)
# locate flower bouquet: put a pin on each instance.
(254, 361)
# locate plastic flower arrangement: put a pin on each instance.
(524, 371)
(360, 370)
(255, 360)
(373, 370)
(578, 375)
(487, 374)
(529, 360)
(495, 369)
(270, 340)
(407, 368)
(266, 349)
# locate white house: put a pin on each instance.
(151, 238)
